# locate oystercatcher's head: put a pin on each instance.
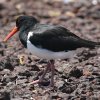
(22, 23)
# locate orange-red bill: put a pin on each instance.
(14, 30)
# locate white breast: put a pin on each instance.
(47, 54)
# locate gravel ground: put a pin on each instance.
(77, 78)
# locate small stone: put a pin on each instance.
(76, 73)
(25, 73)
(22, 81)
(18, 98)
(59, 84)
(6, 71)
(5, 96)
(34, 68)
(86, 72)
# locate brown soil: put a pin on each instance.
(80, 83)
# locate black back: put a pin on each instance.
(57, 38)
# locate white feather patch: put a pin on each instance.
(47, 54)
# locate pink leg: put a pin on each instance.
(43, 75)
(45, 71)
(52, 73)
(49, 65)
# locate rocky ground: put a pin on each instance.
(77, 78)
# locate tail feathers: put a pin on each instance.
(90, 44)
(97, 44)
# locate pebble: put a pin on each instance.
(59, 84)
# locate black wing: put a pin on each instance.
(58, 38)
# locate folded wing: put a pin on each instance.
(58, 39)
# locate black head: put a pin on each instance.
(25, 21)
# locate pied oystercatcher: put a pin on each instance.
(48, 41)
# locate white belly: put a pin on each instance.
(47, 54)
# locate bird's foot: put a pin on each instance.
(40, 82)
(34, 82)
(44, 83)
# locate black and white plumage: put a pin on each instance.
(49, 41)
(53, 42)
